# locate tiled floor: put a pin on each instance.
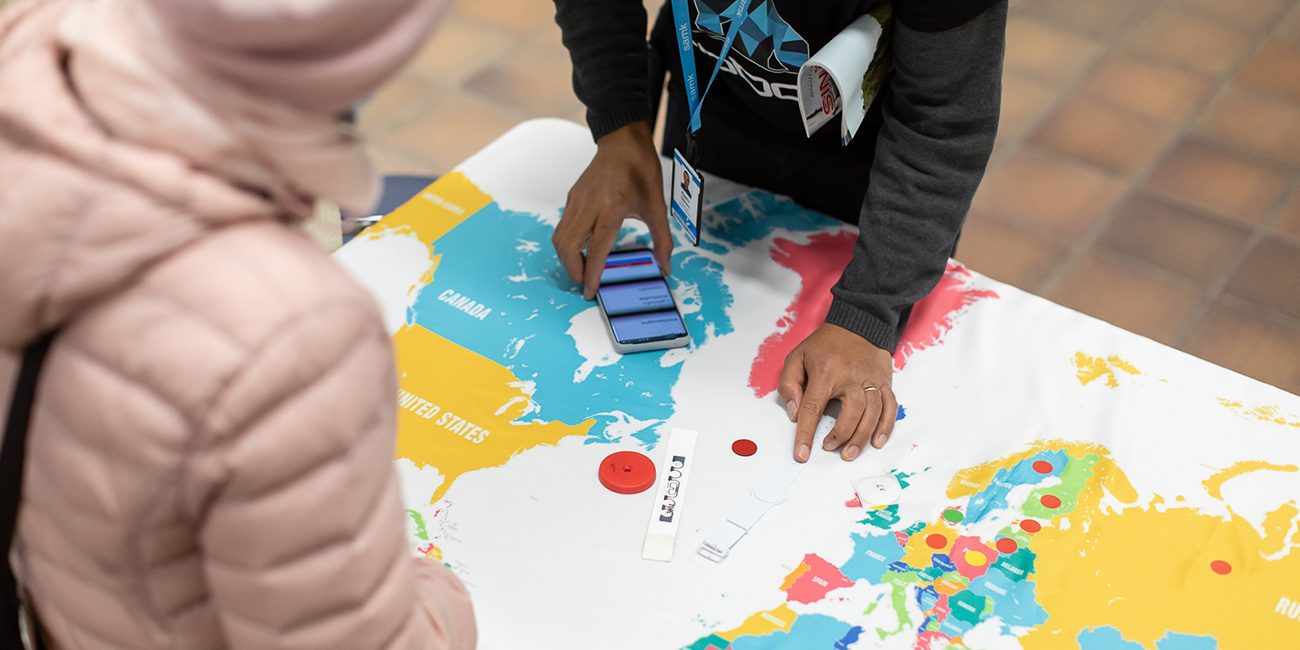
(1147, 170)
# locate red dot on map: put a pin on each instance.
(936, 541)
(1007, 546)
(1042, 467)
(1050, 501)
(744, 447)
(1030, 526)
(1220, 567)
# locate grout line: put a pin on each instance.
(1138, 180)
(1220, 284)
(1069, 90)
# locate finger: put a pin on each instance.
(866, 426)
(793, 377)
(662, 237)
(852, 405)
(598, 247)
(568, 247)
(811, 407)
(888, 416)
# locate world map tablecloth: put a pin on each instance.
(1065, 483)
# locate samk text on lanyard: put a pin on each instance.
(687, 184)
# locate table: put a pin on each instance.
(1064, 483)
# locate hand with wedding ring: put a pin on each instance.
(834, 363)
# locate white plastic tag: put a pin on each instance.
(687, 191)
(666, 510)
(876, 491)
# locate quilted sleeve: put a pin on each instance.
(296, 498)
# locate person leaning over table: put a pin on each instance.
(209, 462)
(906, 179)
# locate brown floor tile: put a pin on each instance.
(1127, 293)
(1270, 276)
(388, 160)
(536, 79)
(1222, 180)
(1048, 53)
(1157, 91)
(1189, 40)
(1040, 190)
(1172, 237)
(1024, 101)
(1275, 68)
(1251, 340)
(515, 16)
(399, 99)
(1007, 252)
(456, 126)
(1290, 27)
(460, 48)
(1260, 122)
(1104, 20)
(548, 31)
(1109, 137)
(1288, 217)
(1258, 15)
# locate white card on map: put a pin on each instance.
(876, 491)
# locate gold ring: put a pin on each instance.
(870, 389)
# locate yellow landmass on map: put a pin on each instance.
(434, 211)
(795, 575)
(1266, 413)
(1214, 484)
(917, 551)
(1146, 572)
(1089, 369)
(476, 400)
(777, 619)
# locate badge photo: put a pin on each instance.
(687, 191)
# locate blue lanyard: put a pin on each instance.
(738, 11)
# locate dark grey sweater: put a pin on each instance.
(906, 179)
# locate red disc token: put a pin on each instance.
(627, 472)
(1031, 526)
(1050, 501)
(1007, 545)
(744, 447)
(1220, 567)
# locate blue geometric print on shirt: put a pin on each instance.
(765, 38)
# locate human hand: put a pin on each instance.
(834, 363)
(623, 180)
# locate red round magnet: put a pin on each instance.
(744, 447)
(627, 472)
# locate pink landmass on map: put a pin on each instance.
(966, 554)
(813, 583)
(937, 313)
(941, 610)
(855, 502)
(931, 640)
(819, 264)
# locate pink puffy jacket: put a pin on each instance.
(210, 461)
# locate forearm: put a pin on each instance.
(607, 45)
(939, 125)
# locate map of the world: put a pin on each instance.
(1065, 484)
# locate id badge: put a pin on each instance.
(687, 192)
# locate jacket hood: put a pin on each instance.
(130, 128)
(82, 213)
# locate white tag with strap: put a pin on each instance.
(770, 491)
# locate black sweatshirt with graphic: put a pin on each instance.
(907, 177)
